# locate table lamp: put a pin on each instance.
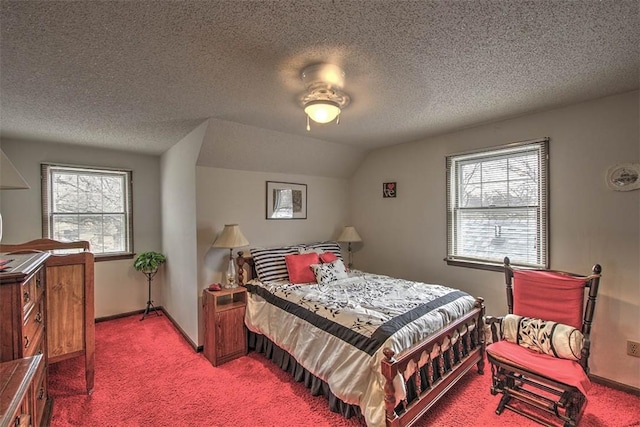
(349, 234)
(231, 237)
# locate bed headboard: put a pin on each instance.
(246, 268)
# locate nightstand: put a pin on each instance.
(225, 336)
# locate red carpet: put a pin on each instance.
(147, 375)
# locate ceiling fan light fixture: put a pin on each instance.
(323, 111)
(324, 99)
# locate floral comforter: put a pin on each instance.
(337, 331)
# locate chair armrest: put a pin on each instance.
(494, 323)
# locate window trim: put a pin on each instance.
(543, 203)
(47, 198)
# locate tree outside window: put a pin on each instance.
(497, 205)
(88, 204)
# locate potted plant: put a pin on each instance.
(148, 263)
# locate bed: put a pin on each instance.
(382, 348)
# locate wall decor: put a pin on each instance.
(624, 177)
(286, 200)
(389, 189)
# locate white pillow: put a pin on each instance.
(329, 272)
(304, 250)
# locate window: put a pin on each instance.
(497, 206)
(83, 203)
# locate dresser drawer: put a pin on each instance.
(29, 294)
(40, 394)
(32, 330)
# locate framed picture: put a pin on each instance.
(389, 189)
(286, 200)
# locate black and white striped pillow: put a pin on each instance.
(333, 247)
(270, 263)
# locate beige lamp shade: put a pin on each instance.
(230, 237)
(10, 178)
(349, 234)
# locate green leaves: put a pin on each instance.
(149, 262)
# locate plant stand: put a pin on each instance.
(150, 275)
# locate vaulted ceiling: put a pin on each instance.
(140, 75)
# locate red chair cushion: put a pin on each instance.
(549, 295)
(561, 370)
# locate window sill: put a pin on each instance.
(474, 264)
(113, 257)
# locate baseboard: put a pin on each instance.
(196, 348)
(184, 335)
(118, 316)
(615, 385)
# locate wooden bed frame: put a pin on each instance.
(451, 353)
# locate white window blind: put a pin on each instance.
(497, 205)
(82, 203)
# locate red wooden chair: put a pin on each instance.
(540, 351)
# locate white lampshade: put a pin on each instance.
(349, 234)
(230, 237)
(10, 178)
(322, 111)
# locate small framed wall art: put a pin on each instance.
(286, 200)
(389, 189)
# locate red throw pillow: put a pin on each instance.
(299, 267)
(327, 257)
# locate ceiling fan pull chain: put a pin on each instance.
(338, 120)
(308, 127)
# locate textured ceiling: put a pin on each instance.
(140, 75)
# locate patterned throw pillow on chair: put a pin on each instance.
(555, 339)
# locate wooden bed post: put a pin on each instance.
(480, 328)
(389, 371)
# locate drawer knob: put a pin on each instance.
(26, 297)
(41, 393)
(39, 317)
(38, 282)
(26, 342)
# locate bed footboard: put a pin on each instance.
(445, 358)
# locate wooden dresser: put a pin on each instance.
(23, 392)
(68, 301)
(23, 319)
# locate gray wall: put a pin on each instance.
(180, 287)
(590, 224)
(118, 287)
(227, 196)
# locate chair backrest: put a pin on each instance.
(553, 295)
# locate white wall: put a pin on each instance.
(180, 285)
(118, 287)
(590, 224)
(227, 196)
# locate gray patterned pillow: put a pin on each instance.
(329, 272)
